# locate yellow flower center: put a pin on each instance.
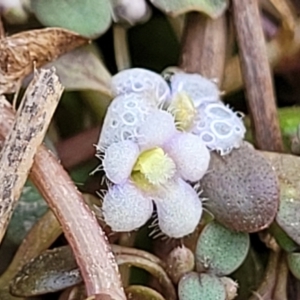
(183, 110)
(153, 168)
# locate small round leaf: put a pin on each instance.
(220, 250)
(90, 18)
(242, 189)
(287, 168)
(194, 286)
(294, 263)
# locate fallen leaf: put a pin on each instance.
(81, 69)
(213, 8)
(21, 51)
(89, 18)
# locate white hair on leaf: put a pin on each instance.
(190, 155)
(126, 208)
(119, 159)
(179, 209)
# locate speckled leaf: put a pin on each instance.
(81, 69)
(51, 271)
(89, 18)
(56, 269)
(219, 250)
(31, 206)
(287, 167)
(194, 286)
(243, 190)
(294, 263)
(213, 8)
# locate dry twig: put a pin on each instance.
(28, 131)
(204, 46)
(257, 75)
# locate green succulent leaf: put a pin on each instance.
(51, 271)
(242, 188)
(283, 240)
(294, 263)
(56, 269)
(82, 69)
(213, 8)
(219, 250)
(194, 286)
(287, 168)
(90, 18)
(30, 208)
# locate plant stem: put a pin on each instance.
(2, 31)
(280, 292)
(266, 288)
(257, 75)
(88, 242)
(283, 54)
(204, 46)
(121, 47)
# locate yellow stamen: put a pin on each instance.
(152, 168)
(184, 111)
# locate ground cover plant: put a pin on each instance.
(149, 149)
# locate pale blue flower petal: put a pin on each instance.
(124, 117)
(125, 208)
(119, 159)
(137, 80)
(219, 127)
(179, 209)
(158, 128)
(198, 88)
(190, 155)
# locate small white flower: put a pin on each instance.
(197, 108)
(154, 167)
(150, 154)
